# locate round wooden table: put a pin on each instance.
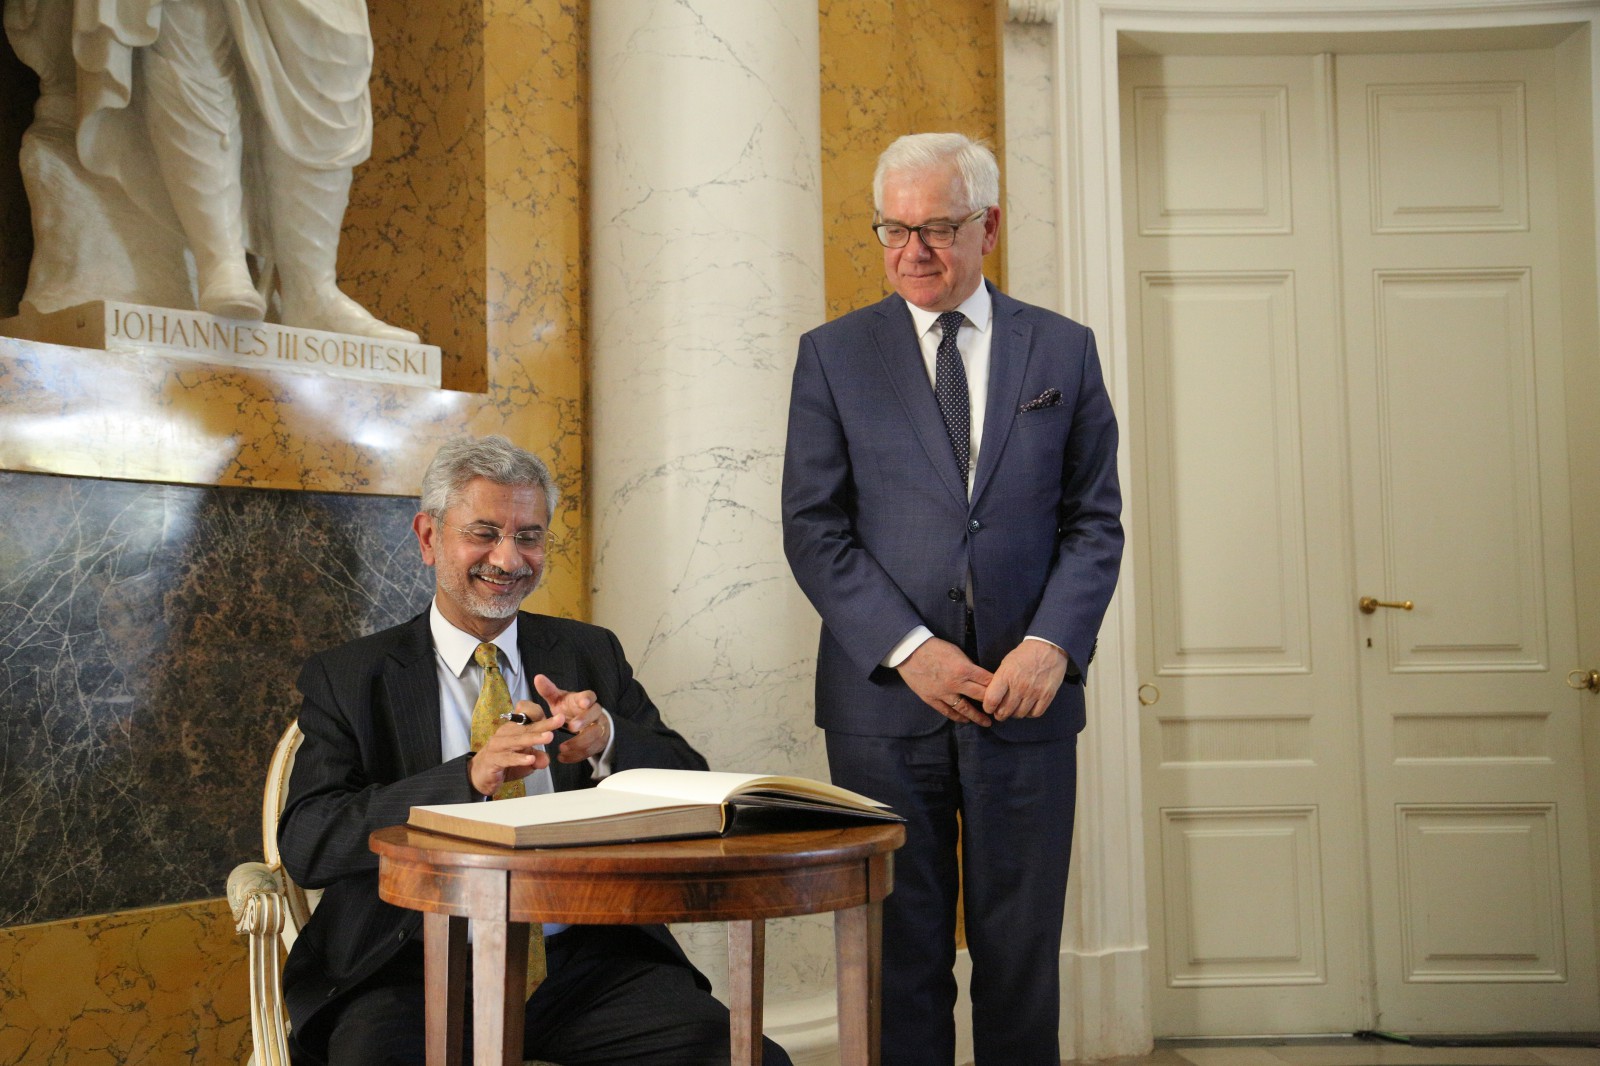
(742, 879)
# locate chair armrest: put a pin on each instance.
(250, 886)
(260, 903)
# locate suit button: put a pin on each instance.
(954, 594)
(974, 525)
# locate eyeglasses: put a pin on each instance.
(529, 541)
(932, 234)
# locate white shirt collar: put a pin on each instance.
(978, 308)
(455, 647)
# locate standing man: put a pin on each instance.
(412, 715)
(950, 506)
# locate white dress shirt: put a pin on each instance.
(461, 678)
(974, 341)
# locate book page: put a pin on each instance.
(716, 786)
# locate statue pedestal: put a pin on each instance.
(136, 328)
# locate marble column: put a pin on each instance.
(705, 267)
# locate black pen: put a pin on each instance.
(561, 735)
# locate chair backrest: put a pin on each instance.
(301, 901)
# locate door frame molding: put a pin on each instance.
(1063, 247)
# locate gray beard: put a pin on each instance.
(483, 605)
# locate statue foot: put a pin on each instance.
(335, 312)
(226, 291)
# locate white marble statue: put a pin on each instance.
(220, 127)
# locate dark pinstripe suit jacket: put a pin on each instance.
(371, 750)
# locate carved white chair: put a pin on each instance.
(270, 909)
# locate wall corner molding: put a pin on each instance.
(1031, 12)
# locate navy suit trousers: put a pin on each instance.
(1008, 807)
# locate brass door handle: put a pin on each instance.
(1584, 680)
(1368, 604)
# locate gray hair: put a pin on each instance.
(974, 163)
(460, 459)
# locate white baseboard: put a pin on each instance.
(807, 1028)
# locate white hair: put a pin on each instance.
(461, 459)
(975, 165)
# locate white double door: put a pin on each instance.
(1347, 277)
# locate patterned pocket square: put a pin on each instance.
(1048, 398)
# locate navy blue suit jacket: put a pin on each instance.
(880, 533)
(372, 750)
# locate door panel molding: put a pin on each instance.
(1222, 396)
(1480, 893)
(1415, 135)
(1455, 371)
(1246, 906)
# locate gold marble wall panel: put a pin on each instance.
(536, 144)
(414, 234)
(164, 986)
(891, 67)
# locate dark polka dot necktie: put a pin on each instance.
(950, 389)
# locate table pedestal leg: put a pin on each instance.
(858, 939)
(499, 971)
(444, 948)
(747, 968)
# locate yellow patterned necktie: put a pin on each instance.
(494, 699)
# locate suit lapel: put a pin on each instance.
(542, 653)
(1010, 348)
(894, 334)
(411, 686)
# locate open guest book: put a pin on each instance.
(648, 804)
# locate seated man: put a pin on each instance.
(412, 715)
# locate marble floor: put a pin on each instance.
(1347, 1052)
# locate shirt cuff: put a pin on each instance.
(908, 644)
(601, 764)
(1072, 668)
